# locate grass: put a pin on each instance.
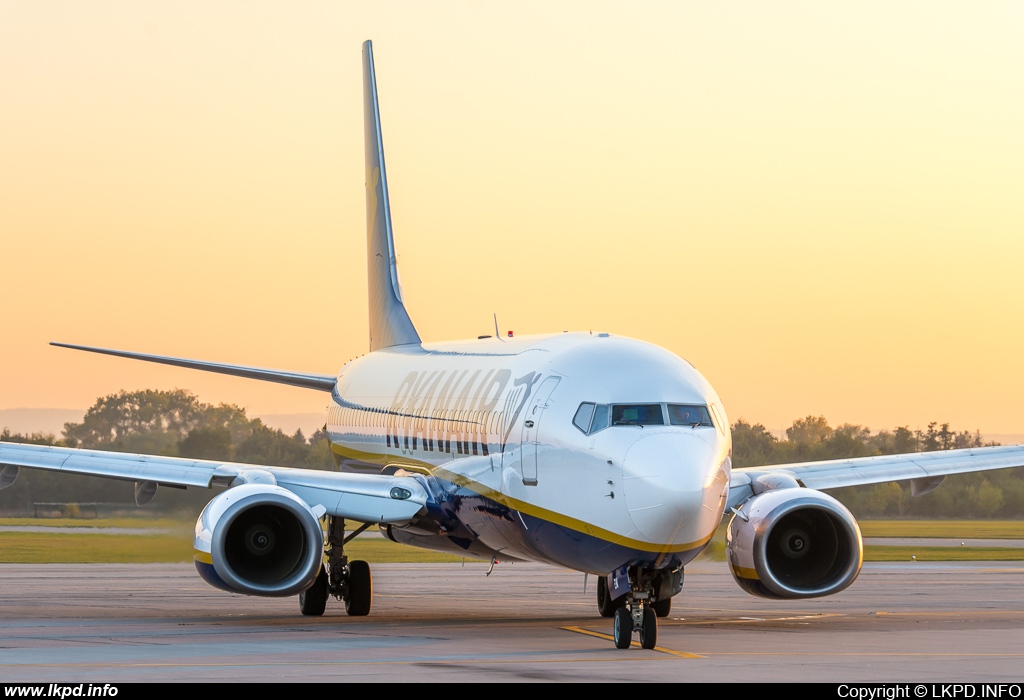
(172, 542)
(960, 529)
(882, 553)
(86, 548)
(380, 551)
(44, 548)
(957, 529)
(165, 523)
(128, 521)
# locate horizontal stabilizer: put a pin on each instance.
(320, 382)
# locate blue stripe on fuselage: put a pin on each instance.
(466, 515)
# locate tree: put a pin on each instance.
(208, 443)
(995, 494)
(146, 421)
(28, 439)
(807, 433)
(752, 445)
(171, 423)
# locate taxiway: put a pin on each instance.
(913, 622)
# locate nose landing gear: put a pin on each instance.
(637, 611)
(638, 617)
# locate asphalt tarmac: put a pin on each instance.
(911, 622)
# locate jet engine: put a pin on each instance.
(259, 539)
(794, 543)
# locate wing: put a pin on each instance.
(372, 498)
(320, 382)
(925, 470)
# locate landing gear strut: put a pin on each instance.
(345, 580)
(637, 611)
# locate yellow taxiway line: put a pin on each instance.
(663, 650)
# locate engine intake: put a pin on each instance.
(259, 539)
(794, 543)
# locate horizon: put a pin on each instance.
(310, 422)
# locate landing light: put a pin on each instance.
(400, 494)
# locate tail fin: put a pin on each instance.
(389, 322)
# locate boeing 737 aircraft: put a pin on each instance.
(589, 451)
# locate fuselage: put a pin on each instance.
(587, 451)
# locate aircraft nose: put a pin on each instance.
(666, 480)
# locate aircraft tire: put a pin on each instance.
(622, 628)
(662, 607)
(360, 589)
(605, 605)
(313, 600)
(649, 632)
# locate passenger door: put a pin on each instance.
(531, 429)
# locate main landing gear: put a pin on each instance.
(639, 609)
(605, 605)
(345, 580)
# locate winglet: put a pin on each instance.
(389, 321)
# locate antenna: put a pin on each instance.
(497, 333)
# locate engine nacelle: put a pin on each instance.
(259, 539)
(794, 543)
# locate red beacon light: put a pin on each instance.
(510, 334)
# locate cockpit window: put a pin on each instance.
(689, 415)
(637, 414)
(600, 421)
(583, 415)
(591, 418)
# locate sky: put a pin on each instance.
(818, 204)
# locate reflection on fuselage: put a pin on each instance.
(596, 442)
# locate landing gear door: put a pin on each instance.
(531, 429)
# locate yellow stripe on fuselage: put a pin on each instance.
(516, 504)
(566, 520)
(371, 458)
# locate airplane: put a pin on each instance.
(594, 452)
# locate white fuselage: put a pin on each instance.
(489, 424)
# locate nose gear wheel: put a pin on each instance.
(637, 611)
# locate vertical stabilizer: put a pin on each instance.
(389, 322)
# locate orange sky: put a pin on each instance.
(818, 204)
